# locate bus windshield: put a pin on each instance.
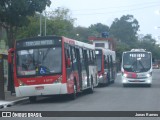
(39, 61)
(136, 61)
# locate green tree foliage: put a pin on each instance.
(58, 23)
(125, 29)
(120, 48)
(32, 29)
(97, 29)
(14, 14)
(148, 43)
(80, 33)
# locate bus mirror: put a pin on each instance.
(68, 62)
(153, 60)
(10, 51)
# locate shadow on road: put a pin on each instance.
(57, 98)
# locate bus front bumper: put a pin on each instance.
(136, 81)
(39, 90)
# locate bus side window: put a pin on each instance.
(89, 56)
(94, 57)
(105, 62)
(67, 57)
(73, 59)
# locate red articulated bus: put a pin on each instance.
(53, 65)
(106, 62)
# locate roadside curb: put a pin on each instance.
(12, 103)
(19, 101)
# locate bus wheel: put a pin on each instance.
(108, 78)
(92, 86)
(32, 99)
(74, 94)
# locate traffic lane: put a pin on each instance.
(111, 98)
(82, 98)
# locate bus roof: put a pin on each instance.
(67, 40)
(78, 43)
(108, 52)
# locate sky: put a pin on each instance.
(89, 12)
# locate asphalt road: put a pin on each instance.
(111, 98)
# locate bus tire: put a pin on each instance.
(149, 85)
(108, 78)
(74, 94)
(90, 90)
(32, 99)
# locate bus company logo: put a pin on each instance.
(6, 114)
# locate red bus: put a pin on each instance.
(106, 62)
(53, 65)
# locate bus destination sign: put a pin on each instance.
(38, 43)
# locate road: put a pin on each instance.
(110, 98)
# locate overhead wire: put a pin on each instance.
(110, 7)
(119, 11)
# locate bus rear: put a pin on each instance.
(136, 67)
(106, 65)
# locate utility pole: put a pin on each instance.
(45, 24)
(40, 31)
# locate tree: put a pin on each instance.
(125, 29)
(97, 29)
(148, 43)
(31, 30)
(14, 14)
(80, 33)
(58, 23)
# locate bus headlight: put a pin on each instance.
(148, 81)
(125, 75)
(124, 81)
(149, 74)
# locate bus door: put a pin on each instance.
(83, 70)
(85, 54)
(109, 67)
(79, 65)
(68, 56)
(112, 75)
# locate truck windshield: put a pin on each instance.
(40, 61)
(136, 61)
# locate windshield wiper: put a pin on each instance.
(143, 68)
